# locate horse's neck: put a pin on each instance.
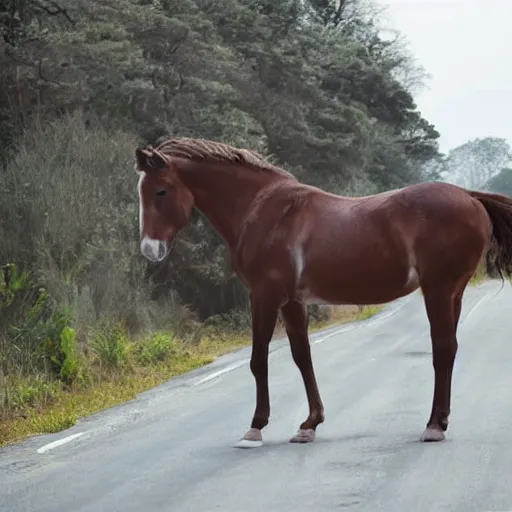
(223, 193)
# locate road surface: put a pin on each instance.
(171, 449)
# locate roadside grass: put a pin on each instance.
(345, 314)
(33, 412)
(479, 276)
(116, 371)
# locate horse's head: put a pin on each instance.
(165, 203)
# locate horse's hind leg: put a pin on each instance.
(296, 323)
(443, 310)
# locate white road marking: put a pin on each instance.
(59, 442)
(338, 331)
(366, 323)
(372, 321)
(218, 373)
(477, 303)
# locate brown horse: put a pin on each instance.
(294, 244)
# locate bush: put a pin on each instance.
(67, 359)
(36, 335)
(110, 344)
(72, 208)
(158, 347)
(18, 394)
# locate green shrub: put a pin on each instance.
(70, 367)
(156, 348)
(35, 331)
(109, 343)
(19, 394)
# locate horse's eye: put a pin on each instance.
(161, 193)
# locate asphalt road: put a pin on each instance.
(171, 449)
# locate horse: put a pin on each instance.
(293, 244)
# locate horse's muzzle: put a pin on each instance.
(154, 250)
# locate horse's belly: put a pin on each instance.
(338, 285)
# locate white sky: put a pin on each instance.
(464, 46)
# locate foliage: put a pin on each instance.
(311, 82)
(40, 335)
(157, 348)
(474, 163)
(110, 345)
(501, 183)
(67, 360)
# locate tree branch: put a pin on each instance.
(53, 9)
(338, 15)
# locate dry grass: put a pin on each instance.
(344, 314)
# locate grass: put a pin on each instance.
(479, 277)
(65, 406)
(120, 371)
(345, 314)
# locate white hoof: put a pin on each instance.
(251, 439)
(246, 443)
(303, 436)
(432, 435)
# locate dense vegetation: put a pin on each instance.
(312, 82)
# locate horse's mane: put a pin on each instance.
(210, 151)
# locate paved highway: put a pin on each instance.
(171, 449)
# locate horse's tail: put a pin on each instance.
(498, 260)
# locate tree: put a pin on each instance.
(501, 183)
(474, 163)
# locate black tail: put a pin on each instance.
(498, 259)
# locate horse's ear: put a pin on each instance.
(148, 159)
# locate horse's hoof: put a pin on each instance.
(246, 443)
(432, 435)
(303, 436)
(251, 439)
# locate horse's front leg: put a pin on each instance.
(264, 309)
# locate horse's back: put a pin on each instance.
(384, 246)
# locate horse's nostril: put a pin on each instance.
(153, 250)
(162, 250)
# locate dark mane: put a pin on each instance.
(210, 151)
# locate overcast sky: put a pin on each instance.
(464, 47)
